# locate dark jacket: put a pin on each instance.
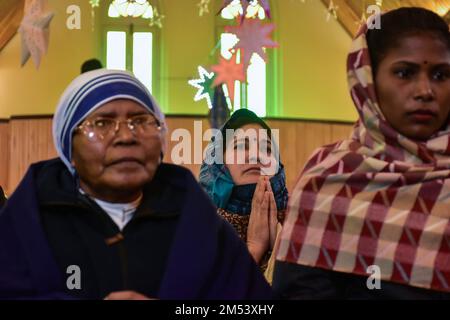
(175, 247)
(293, 281)
(2, 198)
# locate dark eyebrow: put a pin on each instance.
(268, 141)
(441, 65)
(408, 63)
(112, 114)
(417, 65)
(138, 113)
(106, 114)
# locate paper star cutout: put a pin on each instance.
(253, 37)
(204, 86)
(204, 7)
(34, 30)
(157, 19)
(227, 72)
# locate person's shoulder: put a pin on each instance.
(328, 147)
(174, 173)
(37, 169)
(319, 154)
(174, 168)
(54, 164)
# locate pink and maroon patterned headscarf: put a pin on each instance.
(377, 198)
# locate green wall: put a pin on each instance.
(309, 65)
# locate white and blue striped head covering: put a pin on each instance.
(90, 91)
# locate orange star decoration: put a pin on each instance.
(227, 72)
(253, 37)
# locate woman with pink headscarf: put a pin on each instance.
(369, 217)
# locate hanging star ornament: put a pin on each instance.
(157, 19)
(34, 31)
(227, 72)
(332, 10)
(94, 3)
(253, 37)
(203, 7)
(362, 20)
(204, 85)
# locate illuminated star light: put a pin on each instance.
(94, 3)
(253, 38)
(332, 10)
(204, 86)
(204, 7)
(227, 72)
(157, 19)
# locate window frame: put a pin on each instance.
(273, 86)
(131, 25)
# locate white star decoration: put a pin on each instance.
(157, 19)
(203, 7)
(203, 85)
(332, 11)
(34, 30)
(94, 3)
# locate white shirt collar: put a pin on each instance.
(120, 213)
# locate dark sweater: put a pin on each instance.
(175, 247)
(2, 198)
(80, 233)
(293, 281)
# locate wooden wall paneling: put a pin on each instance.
(4, 155)
(175, 123)
(31, 141)
(288, 140)
(341, 132)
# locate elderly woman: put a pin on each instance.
(108, 220)
(370, 215)
(251, 194)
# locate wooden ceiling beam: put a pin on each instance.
(350, 11)
(11, 16)
(346, 16)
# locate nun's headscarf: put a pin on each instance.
(90, 91)
(216, 179)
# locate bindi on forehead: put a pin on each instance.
(425, 62)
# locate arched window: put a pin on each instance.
(129, 40)
(255, 94)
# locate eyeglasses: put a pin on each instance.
(100, 128)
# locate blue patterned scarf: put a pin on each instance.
(216, 180)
